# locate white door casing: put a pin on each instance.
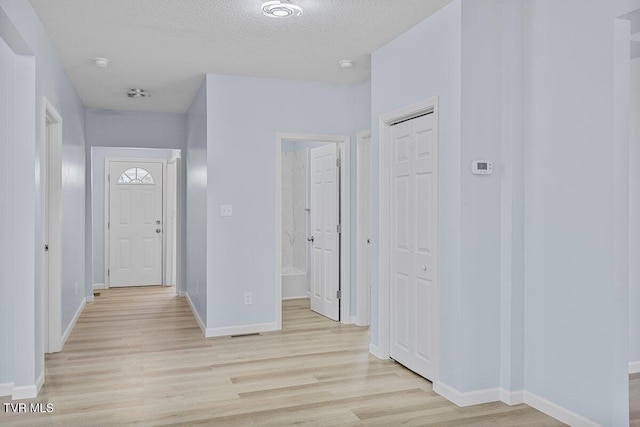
(51, 178)
(363, 235)
(135, 223)
(413, 204)
(325, 214)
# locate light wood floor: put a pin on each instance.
(137, 357)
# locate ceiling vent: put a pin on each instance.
(280, 9)
(138, 93)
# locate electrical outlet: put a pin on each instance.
(226, 210)
(248, 298)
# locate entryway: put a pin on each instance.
(136, 231)
(312, 223)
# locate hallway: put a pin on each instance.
(137, 357)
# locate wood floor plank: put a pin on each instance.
(137, 357)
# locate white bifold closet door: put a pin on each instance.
(325, 247)
(413, 244)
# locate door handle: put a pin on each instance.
(158, 230)
(310, 239)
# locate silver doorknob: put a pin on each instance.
(310, 239)
(158, 230)
(424, 268)
(158, 222)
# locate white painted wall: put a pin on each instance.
(575, 292)
(244, 115)
(17, 153)
(52, 82)
(421, 63)
(196, 200)
(634, 215)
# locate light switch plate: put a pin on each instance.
(226, 210)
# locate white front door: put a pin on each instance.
(413, 244)
(135, 223)
(325, 247)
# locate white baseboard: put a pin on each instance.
(196, 314)
(512, 397)
(634, 367)
(24, 392)
(90, 298)
(556, 411)
(375, 350)
(294, 297)
(353, 320)
(241, 329)
(99, 286)
(40, 382)
(6, 389)
(466, 398)
(72, 323)
(181, 294)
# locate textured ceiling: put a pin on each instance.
(165, 46)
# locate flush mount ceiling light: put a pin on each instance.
(138, 93)
(280, 9)
(100, 62)
(347, 63)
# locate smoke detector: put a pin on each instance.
(138, 93)
(280, 9)
(347, 63)
(100, 62)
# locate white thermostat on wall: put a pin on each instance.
(482, 167)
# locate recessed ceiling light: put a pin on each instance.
(347, 63)
(100, 62)
(280, 9)
(138, 93)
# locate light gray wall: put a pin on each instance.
(98, 156)
(634, 216)
(51, 82)
(123, 129)
(403, 72)
(197, 177)
(244, 114)
(17, 152)
(576, 295)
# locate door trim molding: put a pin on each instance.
(51, 146)
(363, 311)
(345, 214)
(429, 105)
(107, 206)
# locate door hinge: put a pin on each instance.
(109, 178)
(46, 247)
(339, 228)
(108, 225)
(339, 294)
(108, 272)
(339, 162)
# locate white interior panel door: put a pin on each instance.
(135, 223)
(325, 254)
(413, 239)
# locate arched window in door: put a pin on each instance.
(136, 176)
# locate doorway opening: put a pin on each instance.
(51, 179)
(313, 223)
(141, 221)
(408, 246)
